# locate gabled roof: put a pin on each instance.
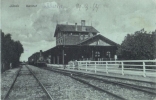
(71, 28)
(98, 36)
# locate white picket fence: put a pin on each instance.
(132, 67)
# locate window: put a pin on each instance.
(86, 36)
(98, 42)
(71, 33)
(97, 54)
(59, 34)
(90, 34)
(108, 54)
(81, 37)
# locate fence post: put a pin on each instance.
(106, 67)
(86, 66)
(73, 65)
(122, 68)
(95, 67)
(78, 66)
(144, 69)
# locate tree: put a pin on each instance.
(17, 50)
(138, 46)
(11, 51)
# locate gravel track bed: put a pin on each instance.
(7, 79)
(129, 82)
(65, 88)
(129, 94)
(26, 88)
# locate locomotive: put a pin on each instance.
(38, 60)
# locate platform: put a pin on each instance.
(127, 76)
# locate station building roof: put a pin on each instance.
(97, 37)
(71, 28)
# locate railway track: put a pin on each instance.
(82, 81)
(26, 86)
(84, 77)
(116, 80)
(113, 77)
(150, 90)
(63, 87)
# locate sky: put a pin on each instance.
(34, 26)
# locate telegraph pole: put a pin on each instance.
(63, 56)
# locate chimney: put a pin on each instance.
(83, 25)
(75, 26)
(82, 22)
(40, 53)
(66, 23)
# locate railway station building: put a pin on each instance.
(78, 42)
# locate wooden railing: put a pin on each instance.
(132, 67)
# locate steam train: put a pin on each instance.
(38, 60)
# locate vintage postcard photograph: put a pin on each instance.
(78, 49)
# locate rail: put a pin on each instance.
(12, 85)
(42, 86)
(9, 90)
(132, 67)
(85, 82)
